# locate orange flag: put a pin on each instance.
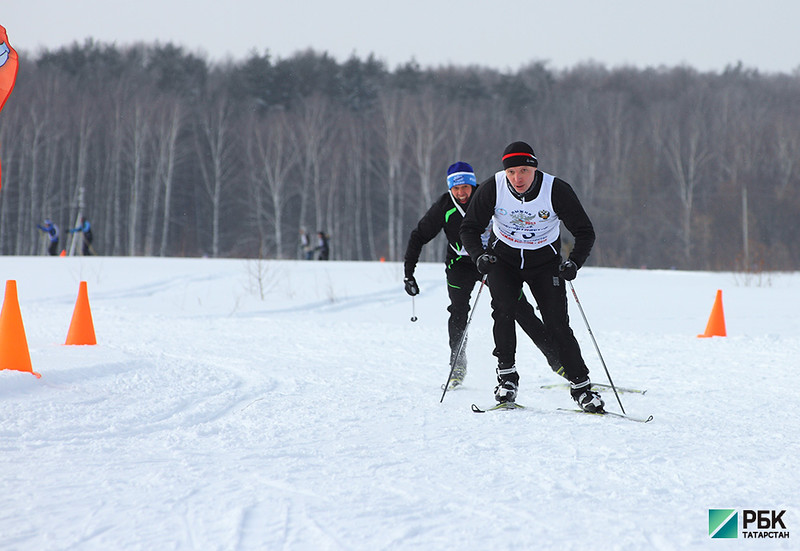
(9, 63)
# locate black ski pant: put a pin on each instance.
(461, 280)
(87, 243)
(549, 292)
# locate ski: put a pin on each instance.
(498, 407)
(612, 414)
(513, 405)
(598, 386)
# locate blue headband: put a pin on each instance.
(460, 179)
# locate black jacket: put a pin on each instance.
(443, 214)
(567, 207)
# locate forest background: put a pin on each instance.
(170, 155)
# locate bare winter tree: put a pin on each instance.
(216, 148)
(459, 121)
(587, 143)
(736, 121)
(426, 132)
(392, 134)
(141, 139)
(274, 155)
(354, 149)
(684, 142)
(168, 124)
(314, 133)
(787, 142)
(426, 135)
(337, 212)
(620, 185)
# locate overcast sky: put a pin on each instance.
(705, 34)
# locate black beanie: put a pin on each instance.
(519, 154)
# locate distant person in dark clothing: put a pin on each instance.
(52, 231)
(323, 249)
(86, 229)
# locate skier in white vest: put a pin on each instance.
(446, 214)
(526, 207)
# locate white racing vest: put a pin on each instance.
(525, 225)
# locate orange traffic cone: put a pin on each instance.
(81, 329)
(63, 252)
(14, 352)
(716, 322)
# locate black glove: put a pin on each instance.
(411, 286)
(485, 263)
(568, 270)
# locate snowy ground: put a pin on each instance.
(208, 417)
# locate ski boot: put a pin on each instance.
(459, 365)
(508, 382)
(587, 399)
(457, 378)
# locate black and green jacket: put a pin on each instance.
(445, 214)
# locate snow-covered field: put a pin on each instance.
(211, 417)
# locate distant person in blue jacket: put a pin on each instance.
(86, 229)
(52, 231)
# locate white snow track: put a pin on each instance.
(207, 418)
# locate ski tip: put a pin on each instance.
(503, 406)
(632, 417)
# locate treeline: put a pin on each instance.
(170, 155)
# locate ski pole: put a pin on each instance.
(578, 302)
(463, 338)
(413, 310)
